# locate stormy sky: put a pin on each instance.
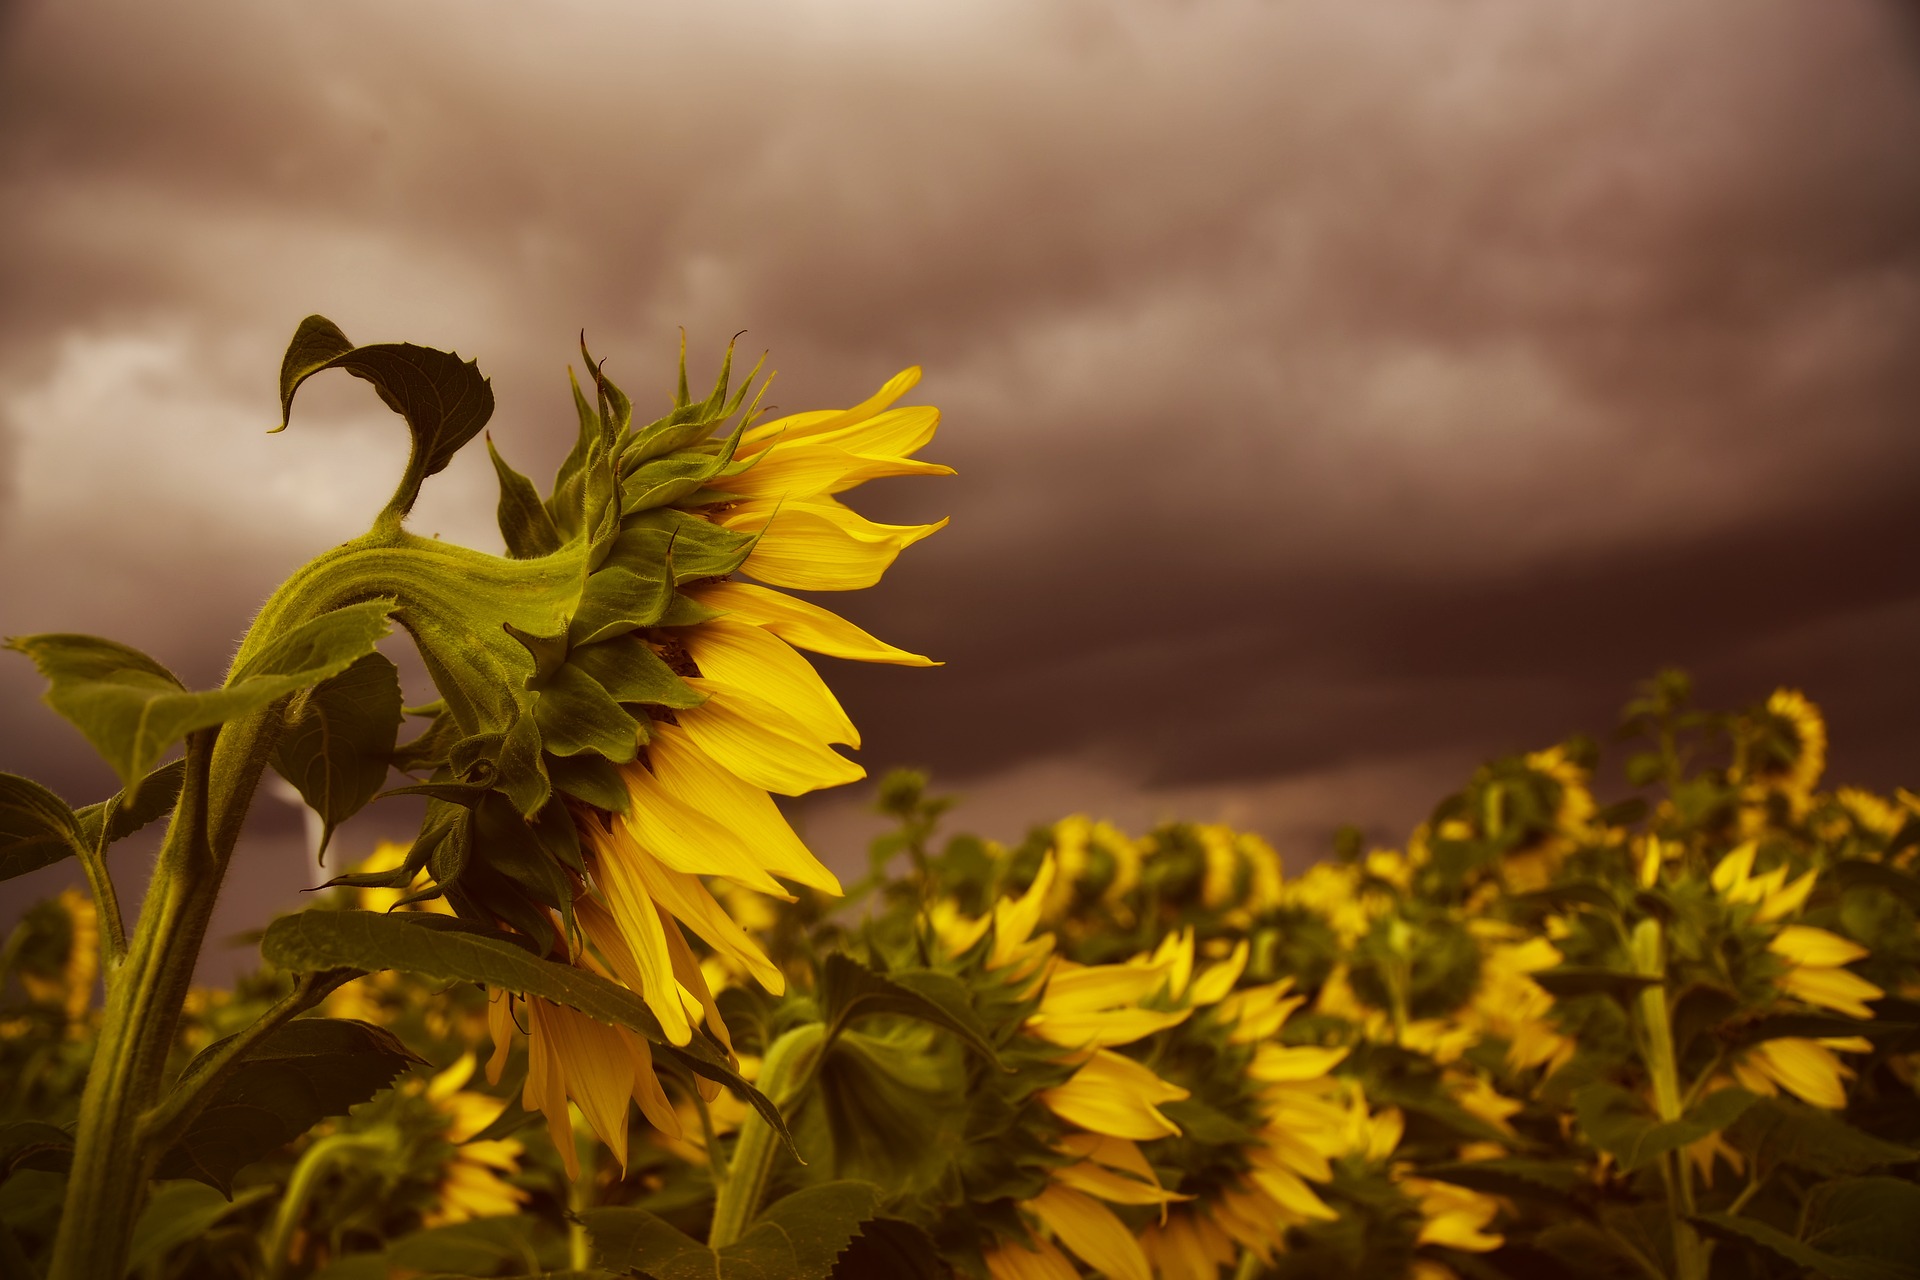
(1341, 393)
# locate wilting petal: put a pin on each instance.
(740, 656)
(1805, 1068)
(598, 1068)
(633, 909)
(688, 899)
(803, 625)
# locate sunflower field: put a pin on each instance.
(607, 1015)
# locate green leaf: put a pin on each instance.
(430, 750)
(849, 990)
(524, 522)
(301, 1073)
(478, 1247)
(444, 399)
(1568, 980)
(180, 1212)
(1530, 1179)
(1858, 873)
(339, 739)
(1866, 1218)
(591, 778)
(34, 1144)
(1616, 1121)
(798, 1238)
(1778, 1131)
(132, 709)
(37, 828)
(311, 941)
(1814, 1026)
(158, 792)
(1745, 1232)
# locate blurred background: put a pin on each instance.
(1341, 394)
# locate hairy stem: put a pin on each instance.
(784, 1073)
(1656, 1034)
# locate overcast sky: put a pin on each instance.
(1341, 393)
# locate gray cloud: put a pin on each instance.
(1340, 393)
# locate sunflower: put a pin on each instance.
(1786, 756)
(474, 1183)
(60, 959)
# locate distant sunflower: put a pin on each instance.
(474, 1183)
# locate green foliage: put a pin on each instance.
(797, 1238)
(338, 740)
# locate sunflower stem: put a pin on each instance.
(1656, 1030)
(307, 1173)
(784, 1075)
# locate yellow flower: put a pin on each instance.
(474, 1183)
(1816, 974)
(1805, 1068)
(1454, 1217)
(70, 986)
(1733, 879)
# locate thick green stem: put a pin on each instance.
(1656, 1032)
(106, 908)
(783, 1075)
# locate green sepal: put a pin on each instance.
(701, 549)
(295, 1077)
(577, 715)
(524, 522)
(132, 709)
(685, 611)
(339, 740)
(505, 842)
(590, 778)
(441, 948)
(547, 652)
(689, 422)
(444, 399)
(566, 505)
(661, 481)
(429, 750)
(617, 599)
(630, 671)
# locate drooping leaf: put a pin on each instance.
(310, 941)
(37, 827)
(132, 709)
(335, 750)
(298, 1075)
(443, 398)
(1866, 1218)
(850, 990)
(524, 522)
(799, 1237)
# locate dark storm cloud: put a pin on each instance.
(1339, 392)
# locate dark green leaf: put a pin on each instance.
(590, 778)
(444, 399)
(311, 941)
(478, 1247)
(1782, 1131)
(1589, 893)
(180, 1212)
(524, 521)
(797, 1238)
(849, 990)
(1858, 873)
(1877, 1218)
(34, 1144)
(1748, 1234)
(890, 1249)
(339, 738)
(1815, 1026)
(1535, 1179)
(1616, 1121)
(37, 827)
(298, 1075)
(158, 792)
(132, 709)
(1569, 980)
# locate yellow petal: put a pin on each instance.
(689, 901)
(692, 978)
(1274, 1063)
(821, 421)
(1806, 945)
(692, 777)
(1014, 1261)
(1115, 1188)
(500, 1027)
(1114, 1153)
(803, 625)
(545, 1089)
(1784, 902)
(762, 744)
(1088, 988)
(446, 1084)
(682, 835)
(1013, 920)
(811, 546)
(1804, 1068)
(647, 1093)
(1834, 989)
(807, 469)
(1291, 1193)
(738, 656)
(1091, 1231)
(1117, 1096)
(1731, 872)
(1104, 1026)
(617, 873)
(1213, 984)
